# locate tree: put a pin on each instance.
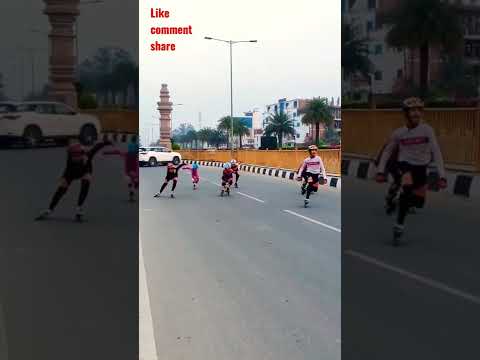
(421, 25)
(318, 112)
(191, 137)
(180, 133)
(111, 70)
(123, 77)
(354, 53)
(279, 125)
(225, 126)
(240, 130)
(204, 135)
(457, 80)
(217, 137)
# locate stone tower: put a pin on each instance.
(165, 109)
(62, 15)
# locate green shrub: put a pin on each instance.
(87, 101)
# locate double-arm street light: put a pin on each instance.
(231, 43)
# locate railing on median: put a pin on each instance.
(458, 133)
(285, 159)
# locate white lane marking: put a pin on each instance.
(213, 182)
(250, 197)
(313, 221)
(419, 278)
(3, 336)
(240, 193)
(146, 336)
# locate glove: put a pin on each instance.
(380, 178)
(323, 181)
(442, 183)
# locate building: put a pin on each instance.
(394, 69)
(295, 109)
(336, 111)
(389, 65)
(292, 109)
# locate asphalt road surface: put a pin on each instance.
(67, 290)
(419, 301)
(250, 276)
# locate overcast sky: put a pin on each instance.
(297, 55)
(110, 23)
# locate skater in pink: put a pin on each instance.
(130, 165)
(195, 174)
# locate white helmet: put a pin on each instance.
(233, 161)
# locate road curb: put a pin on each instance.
(332, 180)
(118, 137)
(460, 184)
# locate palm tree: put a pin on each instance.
(240, 130)
(225, 126)
(191, 137)
(217, 137)
(203, 136)
(421, 25)
(279, 125)
(316, 112)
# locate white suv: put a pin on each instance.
(34, 121)
(155, 155)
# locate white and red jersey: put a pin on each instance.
(313, 165)
(415, 146)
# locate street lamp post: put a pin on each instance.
(231, 43)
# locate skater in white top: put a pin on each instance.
(416, 142)
(313, 172)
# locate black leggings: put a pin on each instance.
(311, 186)
(174, 185)
(412, 194)
(62, 190)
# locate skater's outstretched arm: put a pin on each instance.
(98, 146)
(115, 152)
(181, 165)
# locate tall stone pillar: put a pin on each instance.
(165, 109)
(62, 15)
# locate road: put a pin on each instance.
(239, 277)
(67, 290)
(419, 301)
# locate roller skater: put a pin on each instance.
(131, 166)
(235, 169)
(172, 175)
(194, 169)
(79, 167)
(312, 172)
(227, 179)
(416, 143)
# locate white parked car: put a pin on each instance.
(155, 155)
(35, 121)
